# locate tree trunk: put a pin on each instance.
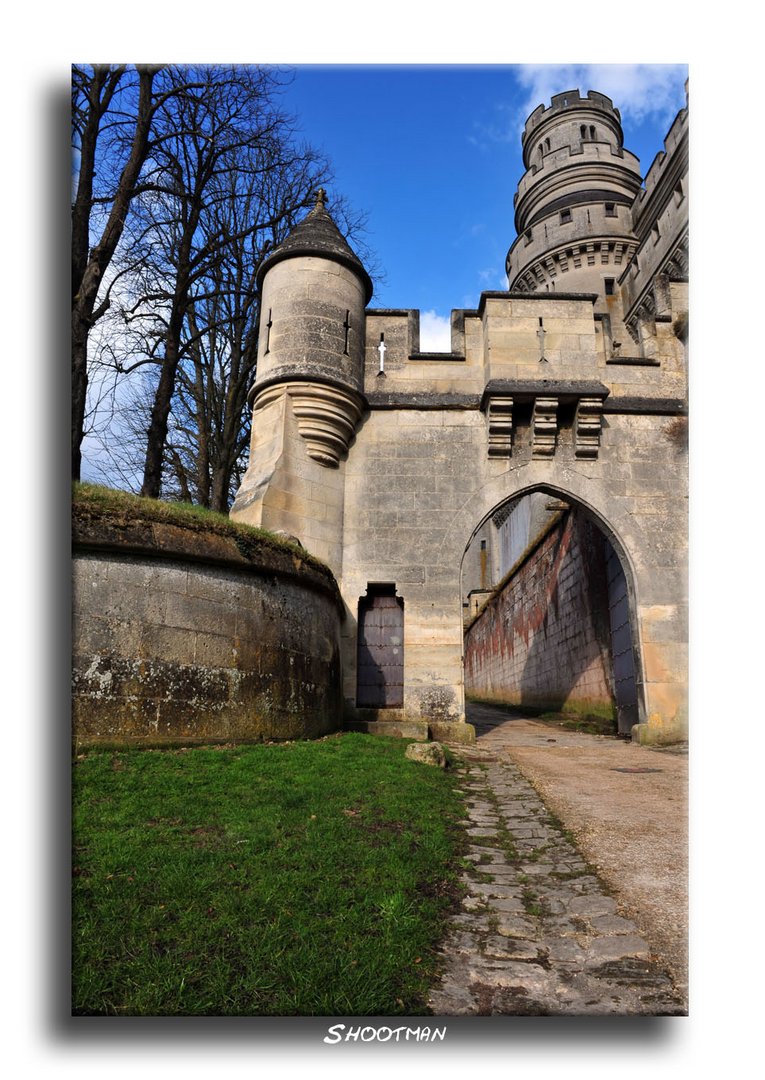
(79, 390)
(90, 271)
(160, 412)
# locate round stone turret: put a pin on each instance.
(314, 294)
(572, 207)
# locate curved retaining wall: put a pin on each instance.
(183, 636)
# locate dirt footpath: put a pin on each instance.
(627, 807)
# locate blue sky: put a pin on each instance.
(433, 155)
(725, 49)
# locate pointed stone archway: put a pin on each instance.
(554, 626)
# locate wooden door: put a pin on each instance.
(381, 652)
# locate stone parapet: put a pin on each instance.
(571, 170)
(594, 105)
(182, 635)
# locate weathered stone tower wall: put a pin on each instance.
(307, 399)
(386, 461)
(572, 207)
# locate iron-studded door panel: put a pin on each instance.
(381, 653)
(625, 686)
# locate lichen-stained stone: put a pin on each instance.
(430, 753)
(386, 460)
(169, 646)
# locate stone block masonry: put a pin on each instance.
(542, 638)
(183, 637)
(537, 934)
(387, 461)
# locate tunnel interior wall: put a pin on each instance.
(542, 639)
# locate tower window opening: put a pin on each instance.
(528, 236)
(547, 145)
(609, 283)
(592, 132)
(610, 209)
(655, 234)
(583, 131)
(565, 215)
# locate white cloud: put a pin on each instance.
(639, 91)
(435, 332)
(492, 279)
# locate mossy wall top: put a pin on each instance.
(188, 628)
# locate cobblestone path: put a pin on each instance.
(537, 934)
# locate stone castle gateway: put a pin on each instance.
(387, 462)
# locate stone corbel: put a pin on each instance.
(647, 310)
(327, 419)
(589, 417)
(327, 416)
(677, 266)
(545, 427)
(661, 297)
(500, 416)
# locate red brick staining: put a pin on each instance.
(542, 637)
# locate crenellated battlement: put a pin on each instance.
(588, 155)
(672, 145)
(565, 102)
(387, 461)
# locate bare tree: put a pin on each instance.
(95, 93)
(224, 183)
(228, 127)
(209, 415)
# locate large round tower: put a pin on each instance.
(572, 207)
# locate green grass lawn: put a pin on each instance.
(310, 878)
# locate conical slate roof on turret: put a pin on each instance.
(317, 234)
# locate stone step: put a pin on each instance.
(404, 729)
(455, 733)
